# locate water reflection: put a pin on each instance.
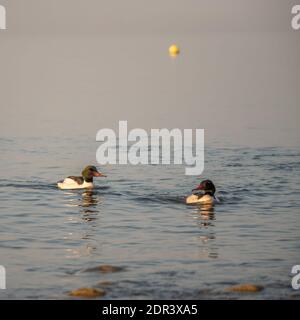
(87, 201)
(89, 206)
(204, 215)
(83, 239)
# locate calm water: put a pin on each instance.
(136, 219)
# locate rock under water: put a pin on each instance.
(87, 293)
(105, 268)
(247, 287)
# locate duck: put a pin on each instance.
(83, 181)
(206, 197)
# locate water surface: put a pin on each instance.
(136, 219)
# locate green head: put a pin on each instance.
(90, 172)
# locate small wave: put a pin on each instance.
(101, 188)
(154, 198)
(284, 166)
(235, 165)
(37, 185)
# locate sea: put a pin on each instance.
(134, 237)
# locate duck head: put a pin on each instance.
(207, 187)
(90, 172)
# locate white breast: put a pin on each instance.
(194, 199)
(72, 184)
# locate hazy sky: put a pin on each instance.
(73, 67)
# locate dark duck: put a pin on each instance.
(205, 193)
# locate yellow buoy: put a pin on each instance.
(173, 50)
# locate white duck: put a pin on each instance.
(207, 197)
(85, 181)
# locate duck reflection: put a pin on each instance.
(207, 211)
(87, 201)
(89, 205)
(204, 215)
(82, 239)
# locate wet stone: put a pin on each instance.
(105, 283)
(245, 288)
(105, 269)
(87, 293)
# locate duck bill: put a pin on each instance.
(98, 174)
(200, 187)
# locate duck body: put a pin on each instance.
(208, 196)
(80, 182)
(71, 183)
(201, 199)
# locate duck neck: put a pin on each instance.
(209, 193)
(88, 179)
